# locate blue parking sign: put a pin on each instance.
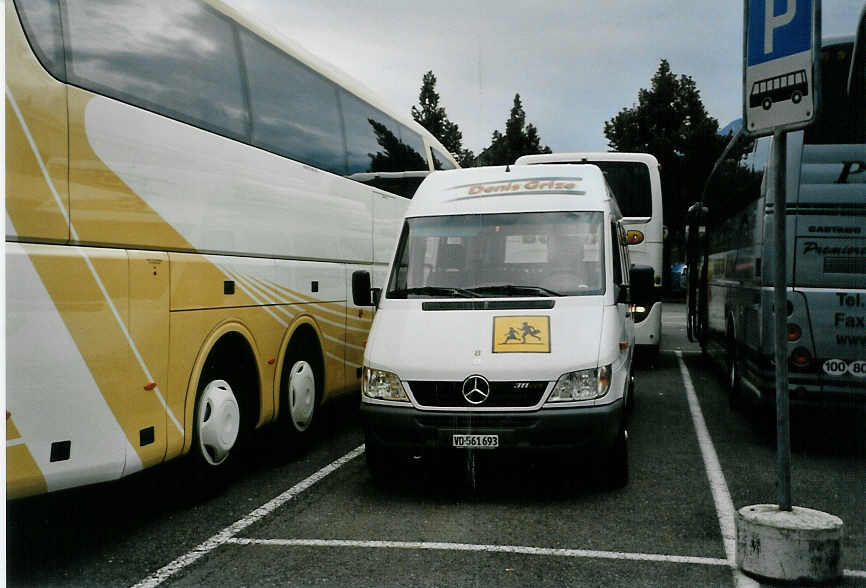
(780, 44)
(778, 28)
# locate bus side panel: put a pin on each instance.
(67, 371)
(358, 322)
(105, 209)
(178, 187)
(648, 331)
(388, 213)
(148, 327)
(269, 298)
(36, 144)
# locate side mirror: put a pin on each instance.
(362, 292)
(641, 284)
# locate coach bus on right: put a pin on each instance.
(732, 251)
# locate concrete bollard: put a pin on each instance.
(797, 545)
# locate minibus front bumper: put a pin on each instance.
(416, 431)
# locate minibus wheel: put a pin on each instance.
(615, 467)
(378, 461)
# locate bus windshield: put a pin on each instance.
(500, 256)
(630, 182)
(840, 107)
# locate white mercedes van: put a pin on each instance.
(505, 322)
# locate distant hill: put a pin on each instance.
(732, 127)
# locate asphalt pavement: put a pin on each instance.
(315, 517)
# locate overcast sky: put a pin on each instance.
(575, 63)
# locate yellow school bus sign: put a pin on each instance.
(521, 334)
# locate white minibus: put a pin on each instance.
(505, 323)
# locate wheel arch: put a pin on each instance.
(230, 337)
(306, 327)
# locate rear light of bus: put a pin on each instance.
(794, 332)
(640, 312)
(801, 358)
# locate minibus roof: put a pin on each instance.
(515, 188)
(585, 157)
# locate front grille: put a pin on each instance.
(502, 394)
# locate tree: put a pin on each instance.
(670, 122)
(432, 117)
(519, 139)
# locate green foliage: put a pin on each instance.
(519, 139)
(432, 117)
(670, 122)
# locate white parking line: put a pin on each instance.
(718, 486)
(226, 534)
(520, 549)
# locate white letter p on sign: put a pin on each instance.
(772, 22)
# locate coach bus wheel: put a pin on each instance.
(217, 423)
(766, 103)
(302, 385)
(796, 97)
(733, 365)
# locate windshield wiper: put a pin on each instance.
(516, 290)
(435, 291)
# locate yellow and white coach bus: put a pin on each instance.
(186, 198)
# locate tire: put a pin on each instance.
(302, 384)
(732, 363)
(766, 104)
(796, 97)
(614, 470)
(630, 398)
(379, 462)
(217, 431)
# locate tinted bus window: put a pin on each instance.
(630, 182)
(440, 161)
(294, 109)
(837, 109)
(413, 154)
(41, 20)
(179, 59)
(372, 137)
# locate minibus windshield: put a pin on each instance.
(500, 256)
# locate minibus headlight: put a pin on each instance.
(382, 385)
(581, 385)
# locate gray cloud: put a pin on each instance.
(575, 63)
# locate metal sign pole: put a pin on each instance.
(781, 67)
(783, 429)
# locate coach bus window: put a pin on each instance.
(413, 158)
(831, 126)
(440, 161)
(294, 109)
(41, 20)
(179, 59)
(372, 137)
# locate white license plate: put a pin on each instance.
(475, 441)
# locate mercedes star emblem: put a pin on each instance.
(476, 389)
